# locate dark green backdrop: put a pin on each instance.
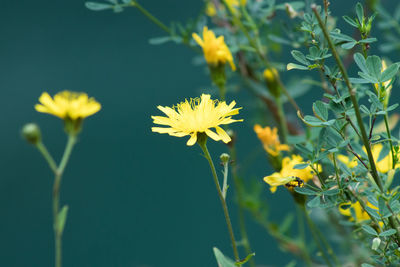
(137, 199)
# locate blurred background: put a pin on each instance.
(136, 198)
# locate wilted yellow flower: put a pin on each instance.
(385, 164)
(346, 160)
(197, 116)
(359, 212)
(270, 140)
(288, 173)
(68, 105)
(215, 50)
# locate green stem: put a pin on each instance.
(47, 156)
(202, 143)
(56, 199)
(151, 17)
(337, 172)
(239, 194)
(315, 235)
(282, 119)
(365, 139)
(302, 234)
(364, 136)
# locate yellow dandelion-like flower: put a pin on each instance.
(197, 116)
(270, 140)
(288, 173)
(68, 105)
(215, 49)
(359, 212)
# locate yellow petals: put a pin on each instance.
(360, 214)
(215, 49)
(197, 116)
(346, 160)
(68, 105)
(289, 174)
(385, 164)
(270, 140)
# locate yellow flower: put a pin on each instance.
(385, 84)
(270, 139)
(288, 173)
(215, 50)
(359, 212)
(68, 105)
(197, 116)
(211, 9)
(385, 164)
(346, 160)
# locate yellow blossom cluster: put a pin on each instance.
(270, 140)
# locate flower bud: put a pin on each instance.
(375, 243)
(271, 77)
(31, 132)
(290, 11)
(224, 158)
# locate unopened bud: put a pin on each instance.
(290, 11)
(224, 158)
(375, 243)
(271, 76)
(31, 132)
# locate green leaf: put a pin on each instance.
(349, 45)
(320, 110)
(368, 40)
(360, 12)
(305, 191)
(373, 212)
(292, 66)
(360, 61)
(164, 39)
(367, 265)
(61, 219)
(300, 57)
(389, 73)
(374, 65)
(331, 192)
(350, 21)
(301, 166)
(369, 230)
(222, 260)
(341, 37)
(315, 202)
(368, 77)
(97, 6)
(388, 232)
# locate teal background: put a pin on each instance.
(136, 198)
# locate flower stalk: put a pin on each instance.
(202, 140)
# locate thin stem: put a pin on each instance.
(315, 235)
(47, 156)
(151, 17)
(364, 136)
(302, 234)
(337, 172)
(207, 155)
(239, 194)
(56, 199)
(282, 119)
